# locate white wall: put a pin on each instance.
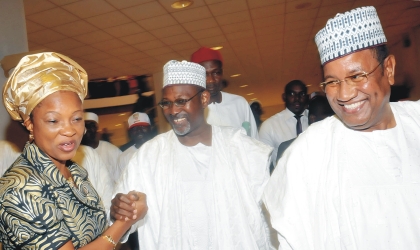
(13, 40)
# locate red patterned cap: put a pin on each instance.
(206, 54)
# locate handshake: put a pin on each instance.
(131, 206)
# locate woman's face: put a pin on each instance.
(57, 125)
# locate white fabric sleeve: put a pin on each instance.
(130, 180)
(288, 200)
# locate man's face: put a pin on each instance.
(361, 106)
(296, 99)
(185, 120)
(139, 134)
(214, 76)
(91, 129)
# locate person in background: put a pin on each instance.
(47, 201)
(107, 151)
(139, 131)
(224, 109)
(10, 152)
(257, 111)
(203, 182)
(319, 109)
(351, 181)
(290, 122)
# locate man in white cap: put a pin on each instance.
(352, 181)
(139, 131)
(203, 182)
(107, 151)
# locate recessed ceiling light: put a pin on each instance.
(217, 47)
(250, 94)
(235, 75)
(122, 114)
(308, 85)
(181, 4)
(253, 99)
(243, 86)
(118, 125)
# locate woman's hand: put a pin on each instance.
(131, 206)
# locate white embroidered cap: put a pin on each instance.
(138, 119)
(89, 116)
(349, 32)
(175, 72)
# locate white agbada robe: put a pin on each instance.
(279, 128)
(232, 111)
(211, 200)
(98, 175)
(109, 154)
(124, 159)
(9, 154)
(336, 188)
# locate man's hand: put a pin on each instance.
(131, 206)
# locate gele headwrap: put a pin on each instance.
(38, 75)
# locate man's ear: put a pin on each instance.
(389, 69)
(205, 99)
(284, 97)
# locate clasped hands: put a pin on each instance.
(131, 206)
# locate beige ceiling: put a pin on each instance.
(268, 42)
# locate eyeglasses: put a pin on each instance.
(353, 80)
(164, 104)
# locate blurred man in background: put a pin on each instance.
(224, 109)
(107, 151)
(290, 122)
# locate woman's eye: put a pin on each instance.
(52, 121)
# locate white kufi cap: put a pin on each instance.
(175, 72)
(89, 116)
(349, 32)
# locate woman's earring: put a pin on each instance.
(84, 132)
(31, 137)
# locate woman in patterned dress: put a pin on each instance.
(47, 201)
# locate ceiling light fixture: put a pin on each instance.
(250, 94)
(122, 114)
(243, 86)
(253, 99)
(217, 48)
(235, 75)
(118, 125)
(181, 4)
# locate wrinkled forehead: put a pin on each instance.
(179, 89)
(352, 63)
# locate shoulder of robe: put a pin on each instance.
(238, 137)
